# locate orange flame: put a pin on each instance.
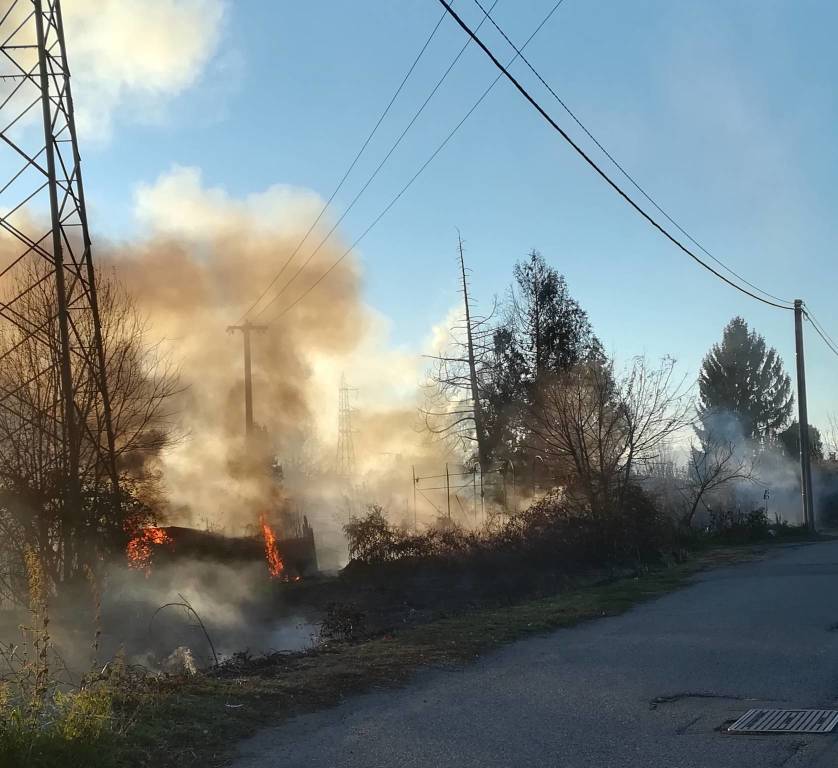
(275, 564)
(139, 548)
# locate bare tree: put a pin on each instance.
(575, 425)
(656, 407)
(33, 508)
(714, 466)
(453, 398)
(830, 436)
(595, 429)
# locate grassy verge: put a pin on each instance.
(199, 720)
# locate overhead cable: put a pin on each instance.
(373, 175)
(581, 152)
(349, 170)
(416, 175)
(819, 329)
(622, 170)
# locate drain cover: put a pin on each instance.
(786, 721)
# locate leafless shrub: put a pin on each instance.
(712, 467)
(373, 539)
(556, 532)
(830, 437)
(595, 429)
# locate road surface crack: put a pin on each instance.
(658, 700)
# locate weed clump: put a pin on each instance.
(46, 720)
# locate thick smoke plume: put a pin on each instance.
(200, 260)
(199, 266)
(196, 261)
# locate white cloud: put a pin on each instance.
(148, 50)
(179, 204)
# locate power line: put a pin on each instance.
(416, 175)
(523, 91)
(622, 170)
(374, 173)
(820, 333)
(827, 339)
(814, 320)
(349, 169)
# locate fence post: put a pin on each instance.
(415, 524)
(448, 489)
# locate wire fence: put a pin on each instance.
(465, 494)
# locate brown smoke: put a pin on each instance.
(200, 260)
(191, 291)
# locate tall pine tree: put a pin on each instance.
(743, 388)
(551, 330)
(547, 332)
(789, 438)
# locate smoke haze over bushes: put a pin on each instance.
(203, 259)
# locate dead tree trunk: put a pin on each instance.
(479, 424)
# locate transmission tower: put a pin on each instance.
(346, 448)
(45, 251)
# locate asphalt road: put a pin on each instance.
(649, 688)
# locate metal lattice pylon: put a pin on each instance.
(346, 446)
(45, 251)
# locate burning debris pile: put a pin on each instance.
(286, 559)
(140, 548)
(202, 253)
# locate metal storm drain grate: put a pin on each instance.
(786, 721)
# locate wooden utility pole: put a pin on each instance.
(803, 421)
(247, 328)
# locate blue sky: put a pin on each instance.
(724, 111)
